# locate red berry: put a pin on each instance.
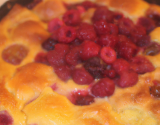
(72, 17)
(86, 32)
(108, 40)
(54, 25)
(5, 118)
(113, 29)
(66, 34)
(82, 77)
(141, 65)
(102, 27)
(144, 41)
(102, 13)
(63, 72)
(127, 78)
(125, 26)
(109, 73)
(105, 87)
(49, 44)
(108, 55)
(41, 58)
(73, 56)
(120, 65)
(89, 50)
(56, 57)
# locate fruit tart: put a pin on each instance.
(78, 62)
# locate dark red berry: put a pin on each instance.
(125, 26)
(89, 50)
(113, 29)
(155, 91)
(73, 56)
(152, 50)
(5, 118)
(108, 40)
(56, 57)
(144, 41)
(41, 58)
(147, 23)
(88, 4)
(141, 65)
(102, 27)
(54, 25)
(102, 13)
(80, 99)
(120, 65)
(127, 78)
(108, 55)
(49, 44)
(109, 73)
(66, 34)
(63, 72)
(95, 67)
(82, 77)
(104, 87)
(72, 17)
(86, 32)
(127, 50)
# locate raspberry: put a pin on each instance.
(152, 50)
(80, 99)
(54, 25)
(41, 58)
(72, 17)
(82, 77)
(125, 26)
(105, 87)
(88, 4)
(5, 118)
(86, 32)
(49, 44)
(95, 67)
(147, 23)
(109, 73)
(127, 50)
(113, 29)
(73, 56)
(66, 34)
(144, 41)
(108, 55)
(63, 72)
(56, 57)
(118, 16)
(141, 65)
(127, 78)
(102, 13)
(108, 40)
(89, 50)
(102, 27)
(120, 65)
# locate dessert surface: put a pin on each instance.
(67, 62)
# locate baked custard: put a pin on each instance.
(78, 62)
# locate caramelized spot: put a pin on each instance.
(155, 91)
(152, 50)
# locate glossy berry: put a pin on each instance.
(127, 78)
(66, 34)
(125, 26)
(95, 67)
(72, 17)
(82, 77)
(73, 56)
(120, 65)
(63, 72)
(109, 73)
(141, 65)
(56, 57)
(86, 32)
(41, 58)
(5, 118)
(54, 25)
(102, 13)
(104, 87)
(108, 40)
(108, 55)
(89, 50)
(49, 44)
(113, 29)
(102, 27)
